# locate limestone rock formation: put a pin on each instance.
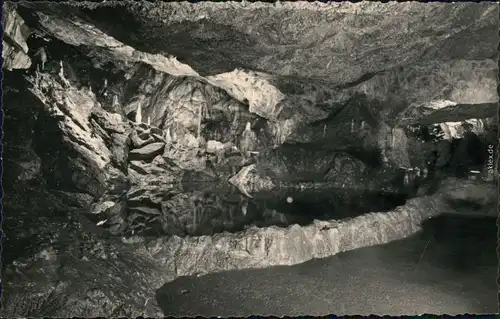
(341, 32)
(147, 152)
(125, 167)
(14, 47)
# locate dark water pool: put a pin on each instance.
(226, 209)
(449, 267)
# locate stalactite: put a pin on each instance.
(138, 115)
(199, 120)
(43, 56)
(61, 74)
(425, 173)
(393, 139)
(61, 69)
(194, 218)
(418, 172)
(244, 209)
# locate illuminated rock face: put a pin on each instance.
(14, 47)
(262, 97)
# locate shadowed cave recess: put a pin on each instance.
(144, 142)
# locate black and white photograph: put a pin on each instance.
(235, 159)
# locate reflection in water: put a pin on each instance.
(303, 206)
(208, 208)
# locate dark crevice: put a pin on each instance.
(363, 78)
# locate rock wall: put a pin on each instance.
(14, 47)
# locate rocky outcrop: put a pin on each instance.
(14, 47)
(451, 117)
(121, 155)
(73, 110)
(422, 84)
(443, 111)
(397, 150)
(248, 182)
(147, 152)
(250, 89)
(262, 97)
(106, 48)
(89, 278)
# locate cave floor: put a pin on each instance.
(457, 274)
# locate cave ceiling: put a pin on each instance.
(136, 152)
(306, 49)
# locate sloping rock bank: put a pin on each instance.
(94, 276)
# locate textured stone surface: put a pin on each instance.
(98, 210)
(334, 41)
(14, 47)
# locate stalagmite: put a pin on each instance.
(37, 76)
(425, 173)
(115, 101)
(61, 69)
(406, 178)
(61, 74)
(248, 139)
(43, 56)
(235, 118)
(149, 120)
(138, 115)
(418, 172)
(199, 120)
(393, 139)
(194, 218)
(168, 137)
